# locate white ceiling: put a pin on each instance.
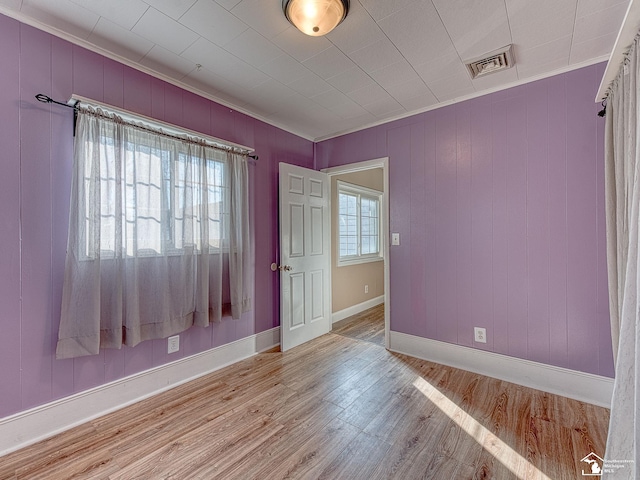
(388, 59)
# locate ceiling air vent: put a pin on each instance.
(492, 62)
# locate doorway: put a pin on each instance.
(345, 171)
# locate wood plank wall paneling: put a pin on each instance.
(35, 178)
(537, 192)
(515, 237)
(558, 234)
(418, 220)
(10, 180)
(335, 408)
(582, 249)
(481, 192)
(114, 84)
(429, 291)
(499, 227)
(516, 206)
(400, 212)
(35, 217)
(463, 234)
(445, 228)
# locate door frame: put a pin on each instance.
(383, 163)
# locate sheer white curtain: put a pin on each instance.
(622, 177)
(158, 236)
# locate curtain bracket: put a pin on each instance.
(41, 97)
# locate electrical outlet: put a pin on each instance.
(480, 334)
(395, 239)
(173, 344)
(366, 289)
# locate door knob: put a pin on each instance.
(286, 268)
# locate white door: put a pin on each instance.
(305, 259)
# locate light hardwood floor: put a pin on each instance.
(367, 325)
(334, 408)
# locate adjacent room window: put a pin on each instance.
(158, 238)
(358, 224)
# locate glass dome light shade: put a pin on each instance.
(315, 17)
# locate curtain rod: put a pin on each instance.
(76, 100)
(622, 69)
(41, 97)
(626, 36)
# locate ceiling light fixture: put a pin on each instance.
(315, 17)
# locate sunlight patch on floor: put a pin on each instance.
(502, 452)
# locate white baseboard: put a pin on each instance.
(31, 426)
(581, 386)
(267, 340)
(355, 309)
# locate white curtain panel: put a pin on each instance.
(158, 236)
(622, 178)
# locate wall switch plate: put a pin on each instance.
(395, 239)
(366, 289)
(173, 344)
(480, 334)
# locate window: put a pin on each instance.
(157, 208)
(358, 224)
(159, 235)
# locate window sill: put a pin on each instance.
(358, 261)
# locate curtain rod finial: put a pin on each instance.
(41, 97)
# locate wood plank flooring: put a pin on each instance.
(367, 326)
(334, 408)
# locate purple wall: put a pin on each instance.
(35, 173)
(500, 205)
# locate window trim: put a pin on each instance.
(350, 188)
